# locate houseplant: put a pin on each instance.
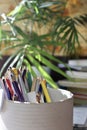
(30, 46)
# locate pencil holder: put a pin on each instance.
(57, 115)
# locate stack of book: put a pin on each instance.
(78, 83)
(80, 118)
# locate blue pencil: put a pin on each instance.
(17, 90)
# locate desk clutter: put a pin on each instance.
(27, 103)
(19, 85)
(78, 83)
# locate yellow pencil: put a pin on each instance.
(45, 91)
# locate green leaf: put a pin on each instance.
(19, 31)
(16, 10)
(26, 62)
(49, 56)
(12, 46)
(8, 61)
(43, 72)
(50, 65)
(16, 59)
(66, 33)
(48, 4)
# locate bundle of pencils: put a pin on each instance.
(20, 85)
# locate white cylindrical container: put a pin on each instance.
(57, 115)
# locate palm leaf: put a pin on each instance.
(63, 32)
(42, 71)
(26, 62)
(50, 65)
(8, 61)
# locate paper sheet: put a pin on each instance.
(79, 115)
